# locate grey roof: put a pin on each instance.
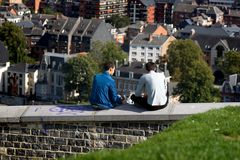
(205, 30)
(55, 26)
(233, 13)
(21, 67)
(232, 30)
(37, 31)
(87, 27)
(136, 25)
(213, 10)
(165, 1)
(150, 28)
(138, 68)
(25, 24)
(143, 39)
(4, 57)
(68, 26)
(148, 2)
(206, 42)
(182, 7)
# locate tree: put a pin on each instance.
(14, 38)
(180, 54)
(118, 21)
(231, 64)
(196, 84)
(109, 51)
(186, 65)
(79, 72)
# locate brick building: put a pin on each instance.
(141, 10)
(164, 11)
(102, 8)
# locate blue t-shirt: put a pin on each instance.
(104, 92)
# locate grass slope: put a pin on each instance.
(214, 135)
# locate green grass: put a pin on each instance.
(214, 135)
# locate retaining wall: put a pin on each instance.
(54, 131)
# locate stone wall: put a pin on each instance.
(52, 131)
(54, 140)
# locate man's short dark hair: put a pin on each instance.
(108, 65)
(150, 66)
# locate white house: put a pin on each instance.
(20, 79)
(148, 48)
(4, 64)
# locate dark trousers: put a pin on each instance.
(142, 101)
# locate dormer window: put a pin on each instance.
(130, 75)
(117, 73)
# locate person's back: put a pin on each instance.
(155, 86)
(104, 93)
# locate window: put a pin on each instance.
(142, 60)
(142, 54)
(134, 53)
(130, 74)
(151, 48)
(157, 48)
(20, 82)
(150, 60)
(20, 75)
(134, 47)
(117, 73)
(142, 47)
(150, 54)
(134, 59)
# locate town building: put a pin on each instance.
(164, 11)
(150, 45)
(232, 17)
(102, 8)
(230, 91)
(20, 79)
(141, 10)
(73, 35)
(128, 74)
(4, 64)
(50, 84)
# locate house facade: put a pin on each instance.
(4, 64)
(73, 35)
(149, 47)
(141, 10)
(230, 91)
(50, 84)
(20, 79)
(164, 11)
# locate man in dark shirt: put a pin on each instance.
(104, 92)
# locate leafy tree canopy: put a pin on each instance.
(195, 78)
(181, 53)
(109, 51)
(232, 63)
(79, 72)
(14, 38)
(118, 21)
(196, 84)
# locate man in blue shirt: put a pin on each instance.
(104, 92)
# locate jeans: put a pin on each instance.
(142, 101)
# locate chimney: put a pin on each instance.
(116, 63)
(36, 5)
(129, 63)
(125, 61)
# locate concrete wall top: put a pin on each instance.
(46, 113)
